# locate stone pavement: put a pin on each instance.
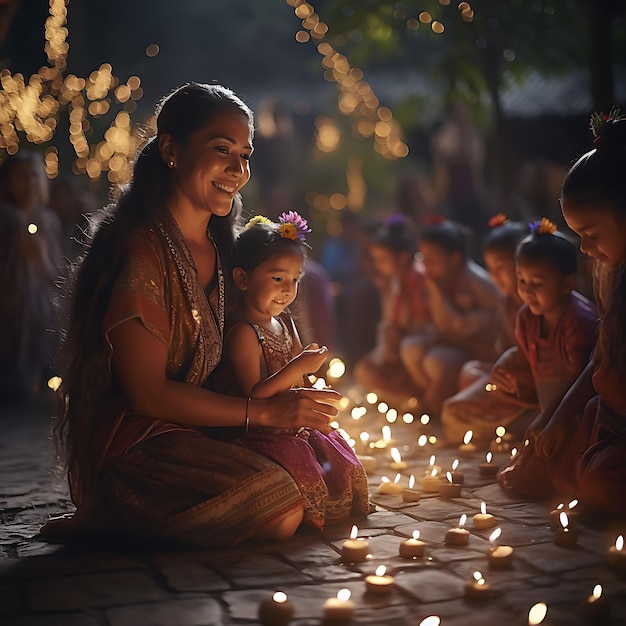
(106, 584)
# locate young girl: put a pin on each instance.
(468, 408)
(462, 302)
(555, 332)
(404, 311)
(578, 444)
(264, 356)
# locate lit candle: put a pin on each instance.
(410, 494)
(412, 548)
(487, 468)
(389, 488)
(476, 588)
(431, 620)
(355, 549)
(565, 536)
(617, 554)
(457, 476)
(449, 489)
(467, 448)
(432, 466)
(596, 606)
(339, 610)
(380, 582)
(276, 611)
(458, 536)
(397, 463)
(499, 556)
(483, 520)
(369, 464)
(431, 482)
(555, 515)
(537, 613)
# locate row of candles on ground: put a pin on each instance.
(276, 611)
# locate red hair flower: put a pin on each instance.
(497, 220)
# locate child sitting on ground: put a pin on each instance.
(264, 355)
(462, 302)
(555, 333)
(400, 281)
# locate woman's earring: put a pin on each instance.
(170, 164)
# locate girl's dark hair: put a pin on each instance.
(505, 238)
(85, 354)
(448, 235)
(551, 249)
(396, 233)
(596, 181)
(261, 242)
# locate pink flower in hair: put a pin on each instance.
(293, 226)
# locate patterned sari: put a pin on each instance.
(152, 476)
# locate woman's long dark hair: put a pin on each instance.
(85, 353)
(597, 180)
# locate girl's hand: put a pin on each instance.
(312, 358)
(552, 438)
(296, 408)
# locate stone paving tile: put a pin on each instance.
(51, 619)
(185, 612)
(190, 577)
(72, 593)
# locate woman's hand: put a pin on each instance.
(297, 408)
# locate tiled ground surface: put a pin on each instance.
(111, 585)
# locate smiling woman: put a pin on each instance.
(145, 332)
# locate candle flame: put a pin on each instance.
(498, 439)
(495, 534)
(619, 543)
(416, 534)
(488, 457)
(384, 479)
(364, 436)
(279, 597)
(572, 504)
(483, 508)
(424, 419)
(422, 440)
(343, 595)
(434, 472)
(386, 434)
(354, 532)
(371, 397)
(462, 520)
(514, 452)
(481, 582)
(431, 620)
(455, 464)
(392, 416)
(563, 519)
(397, 478)
(395, 455)
(411, 482)
(597, 592)
(382, 407)
(449, 477)
(32, 228)
(560, 506)
(500, 431)
(477, 575)
(537, 613)
(467, 437)
(432, 460)
(381, 570)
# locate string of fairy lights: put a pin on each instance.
(357, 98)
(34, 108)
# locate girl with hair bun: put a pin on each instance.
(578, 444)
(145, 331)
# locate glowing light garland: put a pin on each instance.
(34, 108)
